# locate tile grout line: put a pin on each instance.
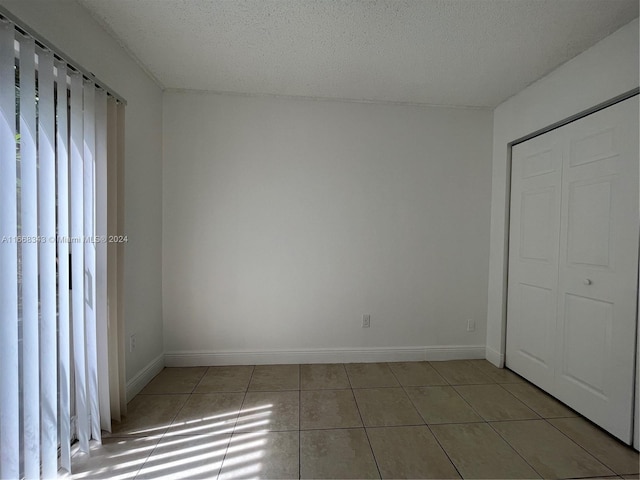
(483, 419)
(546, 394)
(375, 460)
(167, 434)
(540, 417)
(163, 434)
(407, 395)
(465, 400)
(491, 427)
(563, 434)
(425, 421)
(525, 381)
(495, 382)
(299, 421)
(233, 431)
(146, 458)
(514, 448)
(201, 378)
(583, 448)
(190, 396)
(473, 367)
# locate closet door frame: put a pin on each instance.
(601, 106)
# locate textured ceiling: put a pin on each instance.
(442, 52)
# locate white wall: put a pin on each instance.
(285, 220)
(606, 70)
(69, 27)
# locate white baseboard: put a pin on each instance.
(144, 376)
(321, 355)
(325, 355)
(495, 357)
(454, 352)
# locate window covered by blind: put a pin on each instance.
(60, 321)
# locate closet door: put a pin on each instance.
(597, 285)
(573, 264)
(536, 177)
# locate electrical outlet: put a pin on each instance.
(366, 320)
(471, 325)
(132, 342)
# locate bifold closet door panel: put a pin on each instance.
(573, 264)
(597, 286)
(536, 176)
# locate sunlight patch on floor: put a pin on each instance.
(185, 450)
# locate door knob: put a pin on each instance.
(587, 281)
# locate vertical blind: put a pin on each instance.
(61, 331)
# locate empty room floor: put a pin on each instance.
(454, 419)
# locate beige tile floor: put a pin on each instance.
(458, 419)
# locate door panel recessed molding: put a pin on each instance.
(578, 245)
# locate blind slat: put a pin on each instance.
(9, 381)
(29, 222)
(101, 259)
(48, 283)
(64, 356)
(90, 257)
(112, 260)
(120, 201)
(76, 198)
